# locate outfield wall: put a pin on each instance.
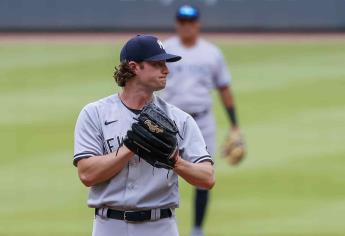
(128, 15)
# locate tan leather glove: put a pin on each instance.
(234, 148)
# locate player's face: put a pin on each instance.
(188, 29)
(153, 74)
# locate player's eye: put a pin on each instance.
(157, 64)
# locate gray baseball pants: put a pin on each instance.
(110, 227)
(207, 127)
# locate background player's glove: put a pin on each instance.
(153, 138)
(234, 148)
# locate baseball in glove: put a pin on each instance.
(153, 138)
(234, 149)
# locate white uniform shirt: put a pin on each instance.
(191, 79)
(100, 129)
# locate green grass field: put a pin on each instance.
(291, 104)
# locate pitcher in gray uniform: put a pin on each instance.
(131, 197)
(190, 82)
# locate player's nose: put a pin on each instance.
(165, 69)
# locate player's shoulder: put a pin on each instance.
(209, 46)
(100, 104)
(172, 111)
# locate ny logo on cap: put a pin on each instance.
(160, 44)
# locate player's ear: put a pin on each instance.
(132, 65)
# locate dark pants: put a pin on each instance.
(200, 207)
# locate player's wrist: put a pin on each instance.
(180, 164)
(232, 116)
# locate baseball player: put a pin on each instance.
(189, 83)
(131, 147)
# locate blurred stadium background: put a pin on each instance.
(289, 83)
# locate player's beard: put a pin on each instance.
(161, 83)
(154, 83)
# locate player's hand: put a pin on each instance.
(177, 159)
(234, 148)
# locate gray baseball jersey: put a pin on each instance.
(100, 129)
(191, 79)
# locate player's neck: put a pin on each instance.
(134, 97)
(189, 42)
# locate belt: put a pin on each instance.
(134, 216)
(196, 115)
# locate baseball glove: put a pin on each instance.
(153, 138)
(234, 148)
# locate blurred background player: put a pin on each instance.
(189, 84)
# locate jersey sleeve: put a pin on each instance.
(222, 76)
(193, 147)
(87, 135)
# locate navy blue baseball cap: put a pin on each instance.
(187, 12)
(145, 48)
